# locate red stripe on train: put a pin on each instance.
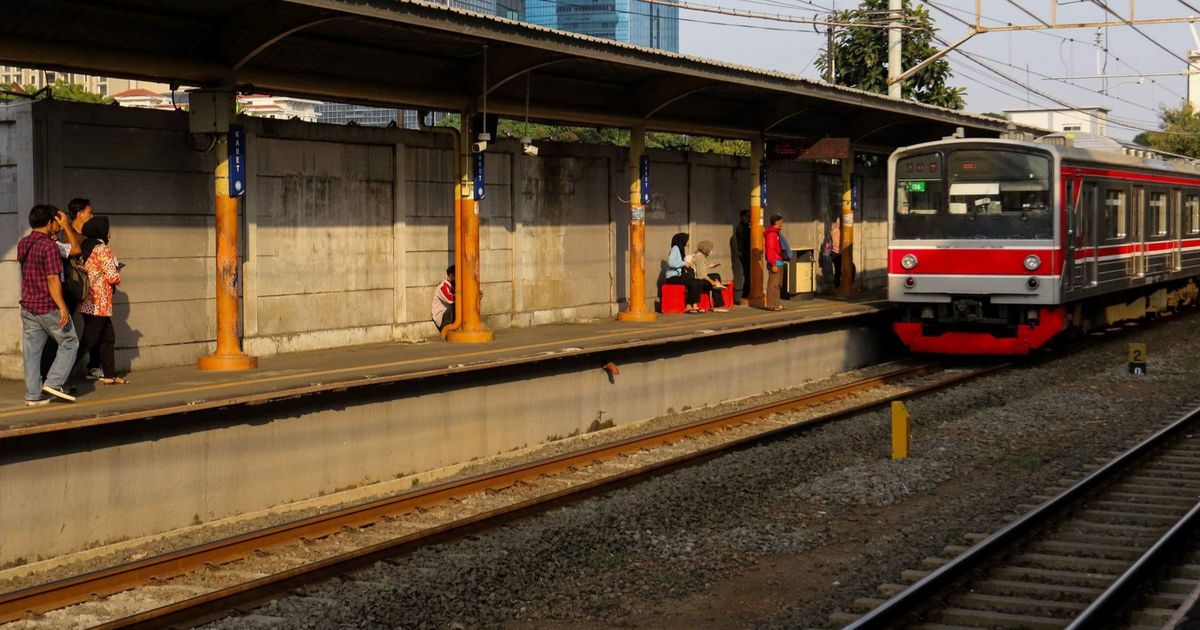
(1069, 171)
(984, 262)
(1132, 248)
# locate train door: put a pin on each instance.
(1138, 236)
(1177, 229)
(1087, 235)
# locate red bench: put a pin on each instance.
(672, 297)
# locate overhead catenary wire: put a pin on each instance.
(1103, 5)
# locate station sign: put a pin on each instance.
(479, 173)
(236, 142)
(644, 179)
(918, 187)
(1137, 359)
(821, 149)
(762, 185)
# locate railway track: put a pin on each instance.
(206, 582)
(1116, 549)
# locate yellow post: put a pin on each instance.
(901, 430)
(847, 286)
(228, 355)
(637, 311)
(757, 245)
(467, 291)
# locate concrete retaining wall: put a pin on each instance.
(348, 229)
(72, 490)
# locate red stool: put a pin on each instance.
(727, 293)
(671, 298)
(706, 300)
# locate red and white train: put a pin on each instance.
(998, 246)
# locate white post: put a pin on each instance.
(895, 52)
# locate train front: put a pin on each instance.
(972, 260)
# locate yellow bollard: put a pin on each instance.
(901, 430)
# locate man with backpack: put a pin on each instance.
(74, 278)
(44, 313)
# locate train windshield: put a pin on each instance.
(974, 194)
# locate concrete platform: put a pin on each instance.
(178, 447)
(169, 391)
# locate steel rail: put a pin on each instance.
(909, 601)
(124, 577)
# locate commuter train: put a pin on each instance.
(999, 246)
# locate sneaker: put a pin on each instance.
(37, 403)
(58, 393)
(95, 374)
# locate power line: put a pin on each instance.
(1189, 7)
(1103, 5)
(705, 8)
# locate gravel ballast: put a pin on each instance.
(783, 534)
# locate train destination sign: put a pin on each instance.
(822, 149)
(916, 186)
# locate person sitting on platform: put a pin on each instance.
(680, 271)
(44, 314)
(443, 301)
(711, 281)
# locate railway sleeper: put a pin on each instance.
(1075, 533)
(1060, 577)
(1140, 508)
(1088, 550)
(1041, 590)
(867, 604)
(1185, 500)
(1186, 571)
(1180, 586)
(1070, 563)
(1143, 478)
(1152, 616)
(1018, 605)
(1176, 455)
(1170, 475)
(1166, 600)
(992, 619)
(1114, 529)
(1126, 518)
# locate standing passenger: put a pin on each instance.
(742, 238)
(44, 314)
(443, 301)
(775, 262)
(99, 338)
(835, 238)
(680, 271)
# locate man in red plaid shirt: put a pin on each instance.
(44, 314)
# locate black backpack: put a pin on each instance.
(75, 280)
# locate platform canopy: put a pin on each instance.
(407, 53)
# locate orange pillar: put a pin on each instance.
(847, 287)
(757, 244)
(229, 355)
(637, 311)
(467, 292)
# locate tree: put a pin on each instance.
(860, 54)
(62, 91)
(1179, 133)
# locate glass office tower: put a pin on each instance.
(631, 21)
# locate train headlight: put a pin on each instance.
(1032, 283)
(1032, 262)
(909, 261)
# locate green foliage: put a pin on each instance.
(860, 55)
(1179, 133)
(63, 91)
(610, 136)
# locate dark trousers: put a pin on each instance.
(745, 277)
(718, 295)
(100, 340)
(836, 259)
(692, 288)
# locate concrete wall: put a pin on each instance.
(348, 229)
(59, 490)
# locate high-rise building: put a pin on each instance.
(630, 21)
(346, 113)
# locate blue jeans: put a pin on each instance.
(35, 329)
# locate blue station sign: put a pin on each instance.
(644, 177)
(237, 160)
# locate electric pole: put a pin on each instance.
(895, 56)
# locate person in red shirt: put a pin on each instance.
(775, 262)
(44, 314)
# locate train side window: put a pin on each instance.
(1088, 201)
(1158, 213)
(1114, 214)
(1191, 212)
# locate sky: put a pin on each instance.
(1064, 55)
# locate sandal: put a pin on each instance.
(116, 380)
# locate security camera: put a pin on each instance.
(479, 147)
(530, 149)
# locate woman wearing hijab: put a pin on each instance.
(680, 271)
(710, 281)
(99, 338)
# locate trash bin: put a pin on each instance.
(800, 271)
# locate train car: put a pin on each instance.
(998, 246)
